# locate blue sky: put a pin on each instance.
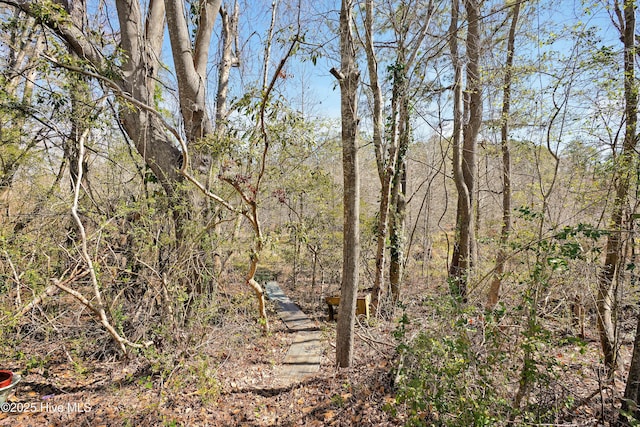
(312, 89)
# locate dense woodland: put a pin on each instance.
(470, 164)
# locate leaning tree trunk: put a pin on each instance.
(348, 77)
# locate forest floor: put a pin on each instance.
(230, 376)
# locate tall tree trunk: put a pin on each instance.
(141, 42)
(496, 283)
(227, 61)
(389, 176)
(606, 296)
(267, 46)
(397, 239)
(473, 112)
(190, 61)
(386, 162)
(348, 77)
(624, 171)
(139, 73)
(465, 157)
(390, 153)
(460, 256)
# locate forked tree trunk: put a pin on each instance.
(141, 40)
(390, 151)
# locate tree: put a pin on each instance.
(228, 60)
(624, 171)
(385, 161)
(468, 115)
(408, 49)
(134, 79)
(246, 185)
(348, 76)
(25, 44)
(409, 23)
(494, 291)
(461, 250)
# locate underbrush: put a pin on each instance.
(463, 366)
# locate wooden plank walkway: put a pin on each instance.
(303, 357)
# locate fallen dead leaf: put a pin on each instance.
(329, 415)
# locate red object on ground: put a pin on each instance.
(5, 378)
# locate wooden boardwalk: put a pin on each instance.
(303, 357)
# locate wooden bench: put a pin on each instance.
(362, 305)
